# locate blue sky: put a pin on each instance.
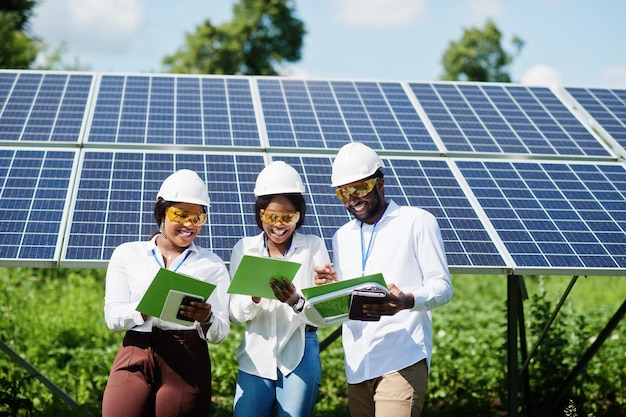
(567, 42)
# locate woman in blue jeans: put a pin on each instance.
(279, 363)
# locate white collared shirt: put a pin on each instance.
(132, 268)
(274, 335)
(407, 248)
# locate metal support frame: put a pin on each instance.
(518, 379)
(516, 291)
(584, 360)
(32, 371)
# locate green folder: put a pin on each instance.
(166, 280)
(254, 274)
(332, 301)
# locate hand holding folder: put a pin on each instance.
(166, 293)
(333, 301)
(254, 274)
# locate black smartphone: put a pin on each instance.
(368, 295)
(186, 301)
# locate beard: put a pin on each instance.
(374, 205)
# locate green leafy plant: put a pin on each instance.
(54, 320)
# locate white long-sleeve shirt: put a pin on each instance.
(274, 335)
(407, 248)
(132, 268)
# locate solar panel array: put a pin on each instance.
(521, 179)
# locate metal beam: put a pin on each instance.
(32, 371)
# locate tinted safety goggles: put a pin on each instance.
(285, 217)
(177, 215)
(356, 190)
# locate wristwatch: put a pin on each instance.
(210, 320)
(299, 305)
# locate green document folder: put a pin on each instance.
(332, 301)
(254, 274)
(165, 280)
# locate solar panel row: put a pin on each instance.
(458, 150)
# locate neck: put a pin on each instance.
(377, 216)
(167, 248)
(276, 250)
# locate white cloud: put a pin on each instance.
(614, 77)
(89, 25)
(122, 16)
(295, 72)
(541, 75)
(478, 11)
(380, 13)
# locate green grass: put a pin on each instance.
(54, 319)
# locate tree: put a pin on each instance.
(479, 56)
(17, 48)
(262, 34)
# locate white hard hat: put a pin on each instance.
(354, 161)
(278, 178)
(184, 186)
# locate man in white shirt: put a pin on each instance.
(386, 361)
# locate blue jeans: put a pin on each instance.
(294, 395)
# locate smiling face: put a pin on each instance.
(279, 232)
(182, 233)
(369, 207)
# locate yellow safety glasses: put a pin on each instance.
(356, 190)
(285, 217)
(177, 215)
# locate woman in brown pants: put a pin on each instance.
(163, 369)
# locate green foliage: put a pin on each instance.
(262, 34)
(479, 56)
(17, 49)
(54, 319)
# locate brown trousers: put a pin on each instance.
(166, 373)
(398, 394)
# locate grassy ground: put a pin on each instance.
(54, 320)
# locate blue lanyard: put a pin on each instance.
(156, 258)
(267, 248)
(366, 254)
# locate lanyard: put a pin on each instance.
(156, 258)
(266, 247)
(366, 253)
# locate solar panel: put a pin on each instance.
(328, 114)
(42, 107)
(168, 109)
(33, 195)
(504, 119)
(516, 181)
(608, 109)
(115, 197)
(559, 216)
(429, 184)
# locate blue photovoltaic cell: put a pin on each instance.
(607, 107)
(555, 215)
(421, 183)
(184, 110)
(430, 184)
(42, 107)
(33, 190)
(551, 215)
(117, 190)
(329, 114)
(504, 119)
